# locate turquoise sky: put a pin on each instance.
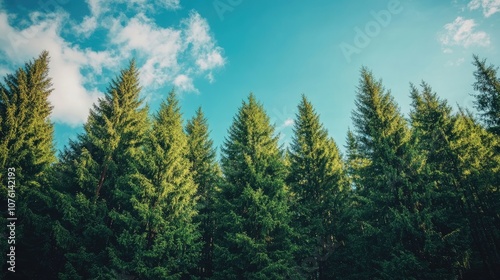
(216, 52)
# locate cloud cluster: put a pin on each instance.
(71, 99)
(166, 56)
(489, 7)
(461, 32)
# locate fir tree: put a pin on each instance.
(253, 240)
(317, 179)
(206, 175)
(488, 98)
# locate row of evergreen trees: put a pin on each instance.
(144, 197)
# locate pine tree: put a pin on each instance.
(97, 181)
(253, 239)
(26, 146)
(488, 99)
(317, 180)
(206, 175)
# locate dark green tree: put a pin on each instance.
(161, 241)
(96, 178)
(206, 175)
(388, 239)
(317, 179)
(253, 239)
(476, 178)
(446, 232)
(488, 99)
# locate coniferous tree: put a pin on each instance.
(206, 175)
(317, 180)
(26, 146)
(96, 180)
(26, 135)
(388, 238)
(488, 99)
(476, 178)
(161, 240)
(253, 238)
(446, 231)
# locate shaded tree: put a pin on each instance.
(253, 240)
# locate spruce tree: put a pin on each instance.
(160, 240)
(26, 146)
(206, 175)
(317, 180)
(96, 180)
(432, 124)
(488, 98)
(388, 238)
(26, 132)
(253, 237)
(476, 178)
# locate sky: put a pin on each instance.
(215, 52)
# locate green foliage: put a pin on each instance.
(26, 144)
(488, 98)
(206, 175)
(134, 198)
(391, 200)
(101, 170)
(317, 180)
(161, 241)
(446, 243)
(253, 240)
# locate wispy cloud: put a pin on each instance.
(189, 50)
(461, 32)
(70, 98)
(489, 7)
(167, 56)
(288, 122)
(184, 83)
(100, 10)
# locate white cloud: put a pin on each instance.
(87, 27)
(456, 63)
(166, 56)
(158, 46)
(490, 7)
(183, 83)
(99, 9)
(70, 98)
(288, 122)
(170, 4)
(203, 48)
(461, 33)
(168, 53)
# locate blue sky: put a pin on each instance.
(215, 52)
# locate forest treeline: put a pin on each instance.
(140, 196)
